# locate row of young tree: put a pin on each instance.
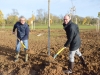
(42, 18)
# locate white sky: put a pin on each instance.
(58, 7)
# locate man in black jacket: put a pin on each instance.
(72, 32)
(22, 35)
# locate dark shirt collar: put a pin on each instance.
(66, 25)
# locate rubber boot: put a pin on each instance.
(26, 56)
(17, 57)
(83, 62)
(70, 68)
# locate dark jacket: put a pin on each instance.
(72, 32)
(22, 31)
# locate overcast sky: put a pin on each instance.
(58, 7)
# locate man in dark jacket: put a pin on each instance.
(22, 36)
(72, 32)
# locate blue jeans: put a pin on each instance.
(19, 45)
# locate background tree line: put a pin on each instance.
(42, 18)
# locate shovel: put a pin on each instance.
(59, 52)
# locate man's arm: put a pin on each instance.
(70, 37)
(14, 29)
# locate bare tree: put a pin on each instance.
(45, 17)
(15, 12)
(40, 15)
(13, 17)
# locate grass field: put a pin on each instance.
(55, 26)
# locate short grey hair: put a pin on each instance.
(21, 17)
(69, 15)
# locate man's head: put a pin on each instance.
(67, 18)
(22, 20)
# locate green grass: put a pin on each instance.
(7, 27)
(51, 26)
(86, 27)
(54, 26)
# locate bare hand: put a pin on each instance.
(64, 47)
(21, 41)
(13, 33)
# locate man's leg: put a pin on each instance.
(26, 49)
(71, 62)
(81, 58)
(17, 50)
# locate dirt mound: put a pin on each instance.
(40, 63)
(52, 69)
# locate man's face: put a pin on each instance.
(22, 20)
(66, 19)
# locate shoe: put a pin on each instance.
(16, 59)
(68, 71)
(26, 57)
(70, 68)
(83, 62)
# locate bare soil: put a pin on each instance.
(39, 62)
